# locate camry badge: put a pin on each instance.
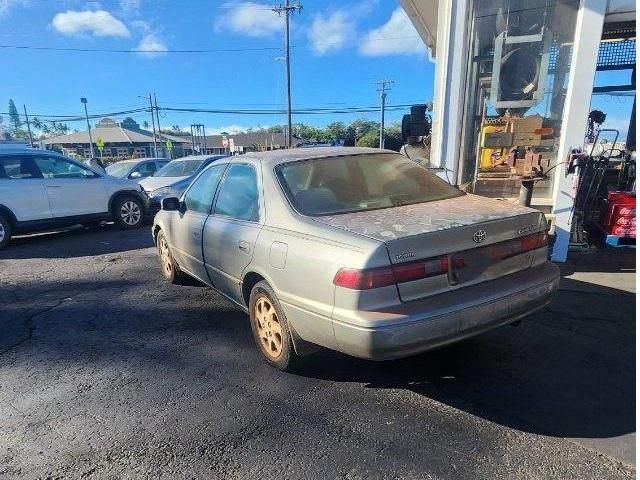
(480, 236)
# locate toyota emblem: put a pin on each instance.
(480, 236)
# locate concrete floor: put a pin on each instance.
(108, 372)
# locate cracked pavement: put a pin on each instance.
(106, 371)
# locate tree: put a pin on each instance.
(176, 129)
(357, 129)
(145, 124)
(14, 117)
(369, 139)
(393, 137)
(308, 132)
(336, 131)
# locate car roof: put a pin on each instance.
(199, 157)
(277, 157)
(24, 150)
(139, 160)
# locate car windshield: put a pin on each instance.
(178, 168)
(356, 183)
(119, 169)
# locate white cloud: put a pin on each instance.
(249, 18)
(6, 5)
(141, 26)
(151, 46)
(329, 33)
(233, 129)
(99, 23)
(396, 37)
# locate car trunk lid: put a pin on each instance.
(476, 234)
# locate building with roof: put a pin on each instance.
(121, 140)
(239, 143)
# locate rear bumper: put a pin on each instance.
(415, 327)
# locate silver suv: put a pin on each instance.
(43, 190)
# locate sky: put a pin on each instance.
(339, 50)
(338, 53)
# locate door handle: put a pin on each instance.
(197, 234)
(243, 246)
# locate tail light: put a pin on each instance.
(383, 277)
(511, 248)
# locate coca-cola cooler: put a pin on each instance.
(618, 218)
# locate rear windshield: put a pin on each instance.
(178, 168)
(119, 169)
(356, 183)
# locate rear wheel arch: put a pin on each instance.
(248, 282)
(156, 231)
(9, 215)
(251, 279)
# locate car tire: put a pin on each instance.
(270, 328)
(170, 269)
(128, 212)
(5, 231)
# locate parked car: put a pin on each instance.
(354, 249)
(43, 190)
(174, 178)
(136, 169)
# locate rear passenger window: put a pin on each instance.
(238, 197)
(17, 167)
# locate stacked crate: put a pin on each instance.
(618, 218)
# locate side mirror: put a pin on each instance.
(171, 204)
(135, 175)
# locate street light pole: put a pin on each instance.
(86, 114)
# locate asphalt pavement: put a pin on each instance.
(106, 371)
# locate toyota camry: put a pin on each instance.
(354, 249)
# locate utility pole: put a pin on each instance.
(198, 138)
(153, 124)
(383, 87)
(28, 125)
(155, 100)
(84, 102)
(286, 9)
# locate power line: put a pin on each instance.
(275, 111)
(115, 50)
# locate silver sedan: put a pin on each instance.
(357, 250)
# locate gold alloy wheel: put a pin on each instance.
(165, 257)
(268, 327)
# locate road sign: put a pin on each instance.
(169, 145)
(232, 144)
(100, 144)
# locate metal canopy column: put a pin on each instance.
(580, 87)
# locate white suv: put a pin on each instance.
(42, 190)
